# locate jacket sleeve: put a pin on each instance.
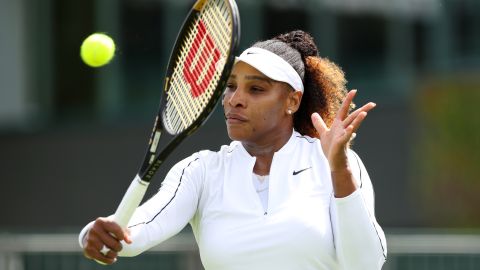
(359, 240)
(168, 211)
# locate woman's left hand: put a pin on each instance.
(336, 138)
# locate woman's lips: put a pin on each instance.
(233, 118)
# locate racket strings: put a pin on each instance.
(198, 66)
(179, 104)
(182, 111)
(198, 57)
(217, 23)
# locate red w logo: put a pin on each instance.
(207, 60)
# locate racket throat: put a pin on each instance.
(146, 174)
(154, 144)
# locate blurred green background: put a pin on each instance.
(72, 137)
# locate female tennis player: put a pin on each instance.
(287, 193)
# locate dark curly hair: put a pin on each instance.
(324, 81)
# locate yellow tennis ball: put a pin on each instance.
(97, 50)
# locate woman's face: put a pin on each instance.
(255, 106)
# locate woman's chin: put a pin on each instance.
(235, 134)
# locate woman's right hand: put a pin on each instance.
(104, 233)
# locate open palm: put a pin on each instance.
(335, 139)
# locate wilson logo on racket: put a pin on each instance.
(199, 73)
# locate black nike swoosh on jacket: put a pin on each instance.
(302, 170)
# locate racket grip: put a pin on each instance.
(131, 200)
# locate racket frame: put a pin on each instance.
(152, 161)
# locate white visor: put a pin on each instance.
(272, 66)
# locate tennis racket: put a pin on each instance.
(199, 66)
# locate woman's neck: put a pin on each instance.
(264, 151)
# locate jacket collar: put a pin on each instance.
(285, 150)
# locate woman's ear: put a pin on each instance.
(293, 101)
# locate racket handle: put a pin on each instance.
(131, 200)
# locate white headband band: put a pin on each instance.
(272, 66)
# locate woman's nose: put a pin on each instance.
(236, 98)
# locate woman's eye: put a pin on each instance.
(256, 89)
(230, 87)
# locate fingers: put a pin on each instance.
(126, 236)
(358, 121)
(318, 123)
(94, 251)
(110, 242)
(109, 258)
(112, 236)
(109, 232)
(102, 241)
(353, 127)
(343, 111)
(354, 120)
(365, 108)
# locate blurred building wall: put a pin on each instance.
(71, 137)
(14, 106)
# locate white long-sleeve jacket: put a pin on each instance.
(305, 226)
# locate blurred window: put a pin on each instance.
(142, 26)
(362, 43)
(463, 28)
(277, 20)
(419, 39)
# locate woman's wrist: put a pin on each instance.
(343, 182)
(339, 164)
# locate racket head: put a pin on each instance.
(199, 66)
(198, 69)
